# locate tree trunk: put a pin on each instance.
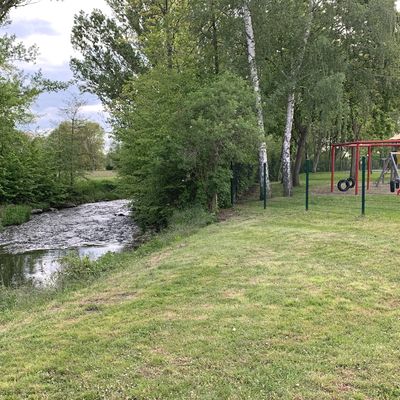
(303, 130)
(215, 39)
(286, 161)
(213, 203)
(316, 160)
(251, 50)
(169, 42)
(286, 164)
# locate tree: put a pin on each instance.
(179, 153)
(251, 50)
(295, 70)
(76, 145)
(7, 5)
(109, 56)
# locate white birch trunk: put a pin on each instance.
(287, 137)
(251, 50)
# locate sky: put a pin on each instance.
(48, 24)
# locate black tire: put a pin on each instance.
(397, 184)
(392, 186)
(352, 182)
(344, 182)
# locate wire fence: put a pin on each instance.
(375, 200)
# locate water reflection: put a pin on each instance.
(38, 267)
(27, 252)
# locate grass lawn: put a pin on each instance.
(275, 304)
(100, 175)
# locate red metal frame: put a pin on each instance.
(358, 145)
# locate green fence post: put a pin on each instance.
(363, 186)
(232, 186)
(232, 193)
(265, 186)
(307, 184)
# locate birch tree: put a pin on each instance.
(251, 50)
(291, 100)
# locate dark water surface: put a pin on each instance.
(31, 253)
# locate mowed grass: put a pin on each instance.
(275, 304)
(101, 174)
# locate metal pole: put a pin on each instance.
(363, 186)
(232, 193)
(265, 186)
(333, 157)
(232, 186)
(357, 167)
(369, 169)
(307, 183)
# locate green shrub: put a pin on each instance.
(76, 269)
(180, 153)
(195, 217)
(91, 191)
(15, 215)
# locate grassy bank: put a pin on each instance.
(14, 214)
(275, 304)
(93, 187)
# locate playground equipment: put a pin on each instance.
(357, 146)
(348, 183)
(390, 164)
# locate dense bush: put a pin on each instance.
(91, 191)
(179, 139)
(26, 176)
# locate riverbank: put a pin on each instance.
(265, 305)
(93, 187)
(32, 253)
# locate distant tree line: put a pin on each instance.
(39, 168)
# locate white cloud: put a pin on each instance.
(92, 108)
(55, 50)
(48, 25)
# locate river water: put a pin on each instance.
(31, 253)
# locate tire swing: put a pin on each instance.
(352, 182)
(343, 185)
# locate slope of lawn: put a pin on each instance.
(275, 304)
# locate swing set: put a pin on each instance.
(389, 164)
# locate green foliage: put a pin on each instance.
(183, 222)
(179, 139)
(175, 320)
(76, 269)
(26, 176)
(91, 191)
(104, 69)
(14, 215)
(74, 147)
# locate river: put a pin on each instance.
(31, 253)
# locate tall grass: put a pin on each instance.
(14, 215)
(91, 191)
